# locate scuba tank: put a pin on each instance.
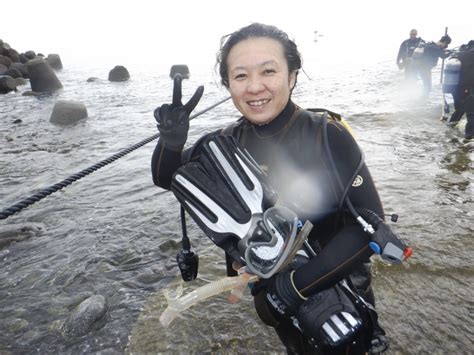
(452, 72)
(418, 52)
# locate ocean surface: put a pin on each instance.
(114, 233)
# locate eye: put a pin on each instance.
(240, 76)
(269, 71)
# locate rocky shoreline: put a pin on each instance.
(17, 68)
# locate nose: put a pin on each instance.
(255, 85)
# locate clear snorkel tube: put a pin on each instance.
(268, 251)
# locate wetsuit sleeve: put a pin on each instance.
(444, 54)
(164, 162)
(401, 52)
(348, 247)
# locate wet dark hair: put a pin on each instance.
(255, 30)
(445, 39)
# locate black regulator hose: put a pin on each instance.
(383, 240)
(345, 190)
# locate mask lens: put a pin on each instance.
(264, 256)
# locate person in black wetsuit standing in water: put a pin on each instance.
(463, 95)
(405, 55)
(259, 66)
(432, 51)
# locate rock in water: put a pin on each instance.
(11, 233)
(42, 76)
(85, 315)
(68, 112)
(119, 73)
(181, 69)
(7, 84)
(54, 61)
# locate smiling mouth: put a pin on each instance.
(258, 103)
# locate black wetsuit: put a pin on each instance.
(429, 59)
(465, 90)
(405, 55)
(291, 150)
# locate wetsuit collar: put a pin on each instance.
(277, 123)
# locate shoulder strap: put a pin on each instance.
(333, 116)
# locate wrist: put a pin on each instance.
(172, 147)
(288, 293)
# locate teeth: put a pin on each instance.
(259, 102)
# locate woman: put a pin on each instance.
(259, 66)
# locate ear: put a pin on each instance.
(292, 79)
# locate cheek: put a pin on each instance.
(235, 90)
(280, 84)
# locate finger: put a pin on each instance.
(156, 113)
(177, 90)
(189, 107)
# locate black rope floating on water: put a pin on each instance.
(7, 212)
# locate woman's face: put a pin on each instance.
(259, 80)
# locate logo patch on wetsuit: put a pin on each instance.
(358, 181)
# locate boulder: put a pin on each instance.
(119, 73)
(23, 59)
(22, 68)
(7, 84)
(5, 48)
(6, 61)
(181, 69)
(3, 69)
(21, 81)
(13, 54)
(92, 79)
(42, 76)
(68, 112)
(30, 54)
(14, 73)
(84, 316)
(54, 61)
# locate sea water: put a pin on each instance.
(115, 234)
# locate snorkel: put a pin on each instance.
(177, 302)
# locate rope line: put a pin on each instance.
(7, 212)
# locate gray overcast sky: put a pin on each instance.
(173, 31)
